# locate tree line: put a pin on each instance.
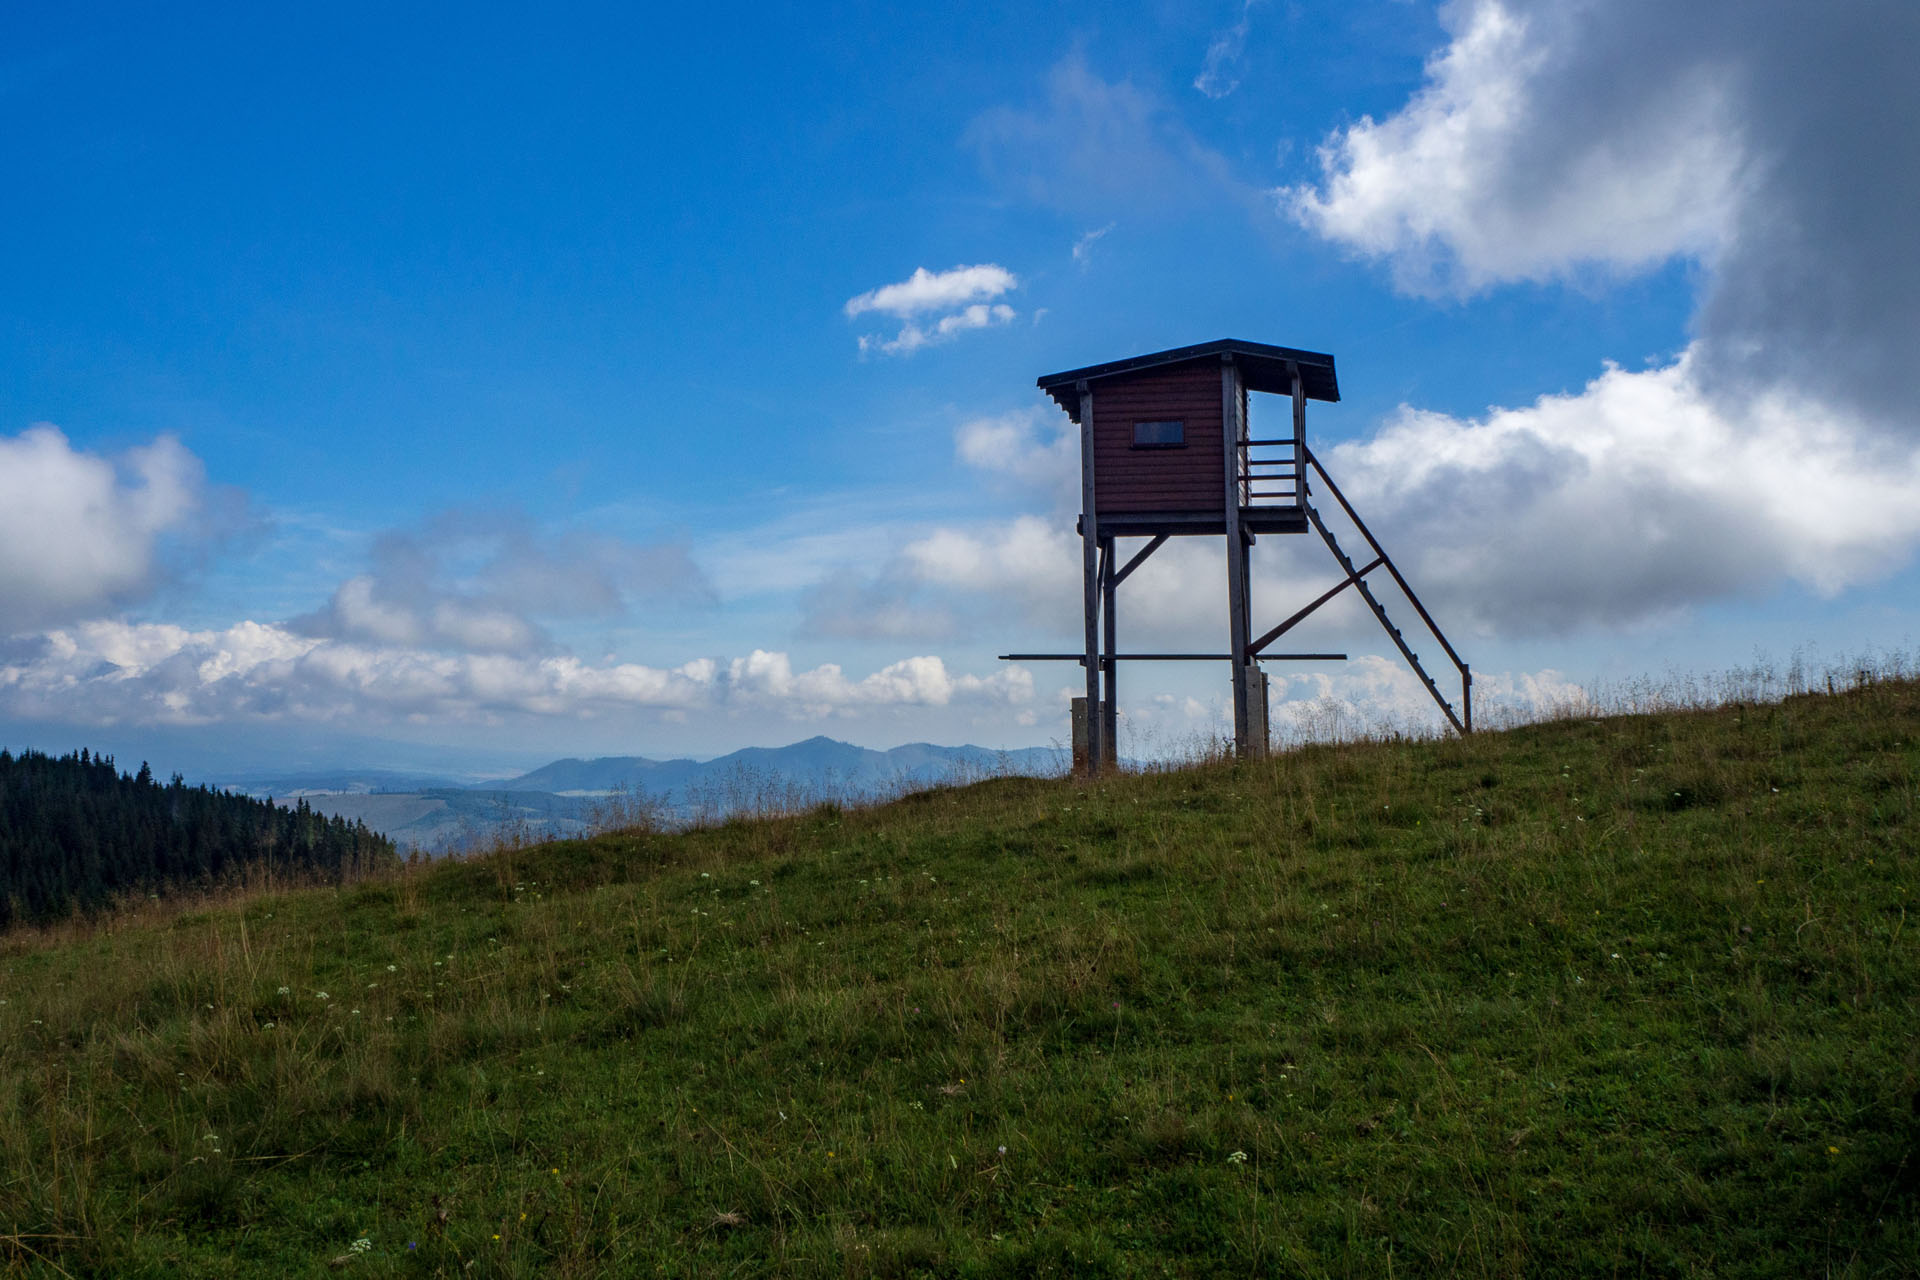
(76, 833)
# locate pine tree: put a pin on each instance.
(75, 833)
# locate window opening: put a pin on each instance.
(1160, 435)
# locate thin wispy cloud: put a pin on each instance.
(1098, 146)
(482, 582)
(1083, 247)
(1220, 72)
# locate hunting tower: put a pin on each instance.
(1166, 451)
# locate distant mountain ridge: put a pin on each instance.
(820, 762)
(570, 797)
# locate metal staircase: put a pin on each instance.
(1462, 719)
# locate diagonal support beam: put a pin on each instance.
(1325, 596)
(1139, 558)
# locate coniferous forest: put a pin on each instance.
(75, 833)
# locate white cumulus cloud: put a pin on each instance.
(963, 294)
(1774, 146)
(115, 672)
(925, 291)
(1376, 695)
(81, 532)
(1553, 138)
(913, 336)
(764, 677)
(1637, 496)
(1460, 189)
(1035, 449)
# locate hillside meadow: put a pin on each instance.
(1625, 996)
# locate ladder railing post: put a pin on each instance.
(1299, 437)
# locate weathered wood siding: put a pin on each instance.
(1189, 479)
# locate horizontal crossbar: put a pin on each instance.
(1081, 658)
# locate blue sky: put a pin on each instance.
(468, 386)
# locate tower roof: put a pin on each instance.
(1262, 368)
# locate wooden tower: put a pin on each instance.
(1165, 451)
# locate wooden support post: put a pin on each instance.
(1238, 612)
(1110, 712)
(1080, 757)
(1090, 568)
(1246, 593)
(1258, 690)
(1255, 745)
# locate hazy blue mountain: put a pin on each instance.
(606, 773)
(819, 763)
(566, 797)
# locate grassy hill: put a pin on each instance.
(1634, 996)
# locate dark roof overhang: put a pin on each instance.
(1262, 368)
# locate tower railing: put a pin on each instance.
(1271, 476)
(1272, 471)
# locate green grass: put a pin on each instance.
(1634, 996)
